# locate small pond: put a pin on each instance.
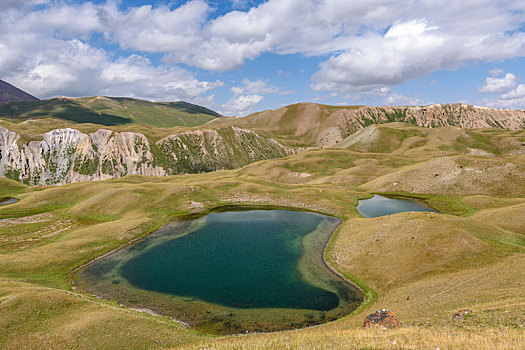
(8, 200)
(230, 272)
(381, 206)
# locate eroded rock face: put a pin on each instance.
(460, 115)
(381, 318)
(325, 126)
(208, 150)
(67, 155)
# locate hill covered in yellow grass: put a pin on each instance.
(423, 267)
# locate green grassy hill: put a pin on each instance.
(317, 125)
(423, 267)
(111, 111)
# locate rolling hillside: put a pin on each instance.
(39, 135)
(316, 125)
(110, 111)
(423, 267)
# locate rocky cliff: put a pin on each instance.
(461, 115)
(309, 124)
(67, 155)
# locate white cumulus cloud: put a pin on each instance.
(257, 87)
(517, 93)
(512, 94)
(396, 99)
(410, 50)
(241, 105)
(499, 85)
(44, 57)
(365, 45)
(496, 72)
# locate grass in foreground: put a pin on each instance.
(473, 260)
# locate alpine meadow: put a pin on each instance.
(276, 174)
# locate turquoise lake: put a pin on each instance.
(246, 259)
(232, 271)
(381, 206)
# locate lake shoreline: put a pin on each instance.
(356, 291)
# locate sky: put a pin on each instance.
(243, 56)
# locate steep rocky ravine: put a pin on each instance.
(68, 155)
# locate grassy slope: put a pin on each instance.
(471, 260)
(317, 125)
(33, 129)
(295, 125)
(111, 111)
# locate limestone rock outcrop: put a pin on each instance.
(324, 126)
(464, 116)
(68, 155)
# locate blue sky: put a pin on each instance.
(243, 56)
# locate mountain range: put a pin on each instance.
(64, 140)
(452, 279)
(10, 93)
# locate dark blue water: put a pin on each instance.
(246, 259)
(381, 206)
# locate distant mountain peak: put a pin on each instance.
(10, 93)
(110, 111)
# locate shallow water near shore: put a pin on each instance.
(8, 200)
(381, 206)
(230, 272)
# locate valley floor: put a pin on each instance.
(423, 267)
